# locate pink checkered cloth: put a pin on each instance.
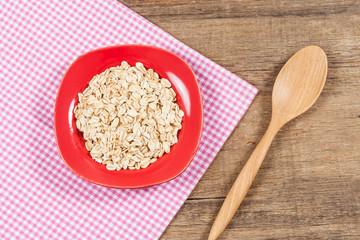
(41, 198)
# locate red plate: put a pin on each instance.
(167, 65)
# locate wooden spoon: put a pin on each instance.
(296, 89)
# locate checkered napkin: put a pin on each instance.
(41, 198)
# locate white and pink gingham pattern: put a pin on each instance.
(40, 198)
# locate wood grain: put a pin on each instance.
(309, 185)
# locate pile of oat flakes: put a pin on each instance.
(129, 117)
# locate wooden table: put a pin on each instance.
(309, 184)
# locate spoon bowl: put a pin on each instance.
(299, 83)
(297, 87)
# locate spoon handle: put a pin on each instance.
(242, 183)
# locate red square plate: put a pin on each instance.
(167, 65)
